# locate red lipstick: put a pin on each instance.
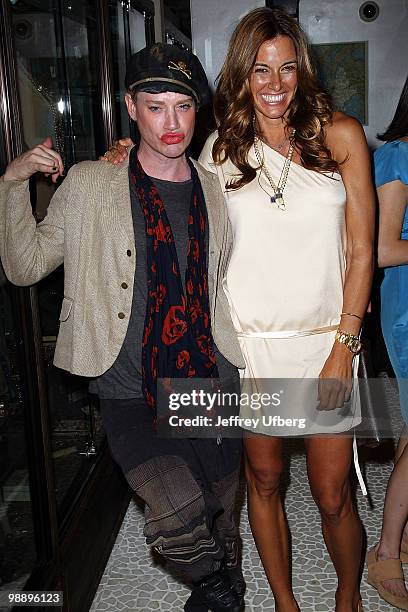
(172, 138)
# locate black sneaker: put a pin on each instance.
(215, 593)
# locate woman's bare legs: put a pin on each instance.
(263, 467)
(328, 463)
(395, 516)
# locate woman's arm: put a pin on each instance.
(346, 140)
(350, 145)
(392, 198)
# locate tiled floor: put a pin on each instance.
(135, 581)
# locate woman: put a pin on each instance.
(297, 183)
(391, 178)
(296, 177)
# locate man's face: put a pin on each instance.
(165, 121)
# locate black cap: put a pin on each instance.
(162, 67)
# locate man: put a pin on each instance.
(137, 307)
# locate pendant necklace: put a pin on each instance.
(280, 146)
(277, 198)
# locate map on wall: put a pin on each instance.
(342, 69)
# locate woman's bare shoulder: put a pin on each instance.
(344, 135)
(343, 127)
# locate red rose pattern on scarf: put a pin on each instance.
(177, 340)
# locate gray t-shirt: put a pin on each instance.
(123, 380)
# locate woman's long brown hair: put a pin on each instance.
(310, 110)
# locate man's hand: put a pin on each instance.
(118, 152)
(41, 158)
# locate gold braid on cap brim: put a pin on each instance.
(166, 80)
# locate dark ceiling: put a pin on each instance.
(178, 12)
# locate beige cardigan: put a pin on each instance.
(89, 228)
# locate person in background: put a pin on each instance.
(139, 304)
(391, 179)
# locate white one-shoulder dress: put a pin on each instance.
(284, 284)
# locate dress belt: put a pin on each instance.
(289, 334)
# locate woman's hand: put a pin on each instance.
(41, 158)
(119, 151)
(335, 379)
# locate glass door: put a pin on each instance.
(18, 554)
(58, 84)
(21, 551)
(131, 27)
(61, 497)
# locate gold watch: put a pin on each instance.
(351, 341)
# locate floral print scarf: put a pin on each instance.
(177, 340)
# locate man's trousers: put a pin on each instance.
(188, 485)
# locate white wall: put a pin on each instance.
(328, 21)
(212, 23)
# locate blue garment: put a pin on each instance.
(391, 164)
